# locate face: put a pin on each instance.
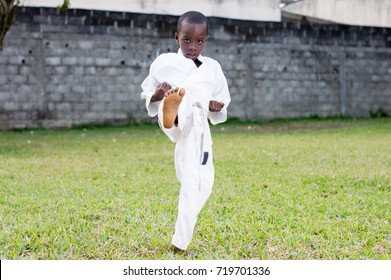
(192, 39)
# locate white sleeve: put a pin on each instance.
(149, 86)
(221, 94)
(218, 117)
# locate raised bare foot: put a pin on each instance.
(172, 100)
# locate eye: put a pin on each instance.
(186, 40)
(200, 42)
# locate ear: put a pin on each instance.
(176, 36)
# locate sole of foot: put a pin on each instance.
(172, 100)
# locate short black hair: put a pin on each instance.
(193, 17)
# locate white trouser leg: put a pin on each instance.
(190, 204)
(196, 187)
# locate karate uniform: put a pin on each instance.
(193, 150)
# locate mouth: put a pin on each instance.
(192, 56)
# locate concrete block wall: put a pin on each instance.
(86, 67)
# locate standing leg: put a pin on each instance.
(196, 187)
(189, 206)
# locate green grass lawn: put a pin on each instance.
(304, 189)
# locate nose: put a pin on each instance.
(192, 46)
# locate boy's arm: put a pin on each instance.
(153, 93)
(149, 86)
(220, 100)
(218, 117)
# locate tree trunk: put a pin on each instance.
(7, 15)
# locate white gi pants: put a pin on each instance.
(193, 165)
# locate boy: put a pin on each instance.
(185, 89)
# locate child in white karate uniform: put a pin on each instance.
(185, 89)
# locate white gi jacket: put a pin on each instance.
(178, 70)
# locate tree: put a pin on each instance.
(7, 15)
(8, 12)
(64, 6)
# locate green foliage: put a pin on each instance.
(64, 6)
(379, 113)
(315, 189)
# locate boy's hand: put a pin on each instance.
(160, 91)
(215, 106)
